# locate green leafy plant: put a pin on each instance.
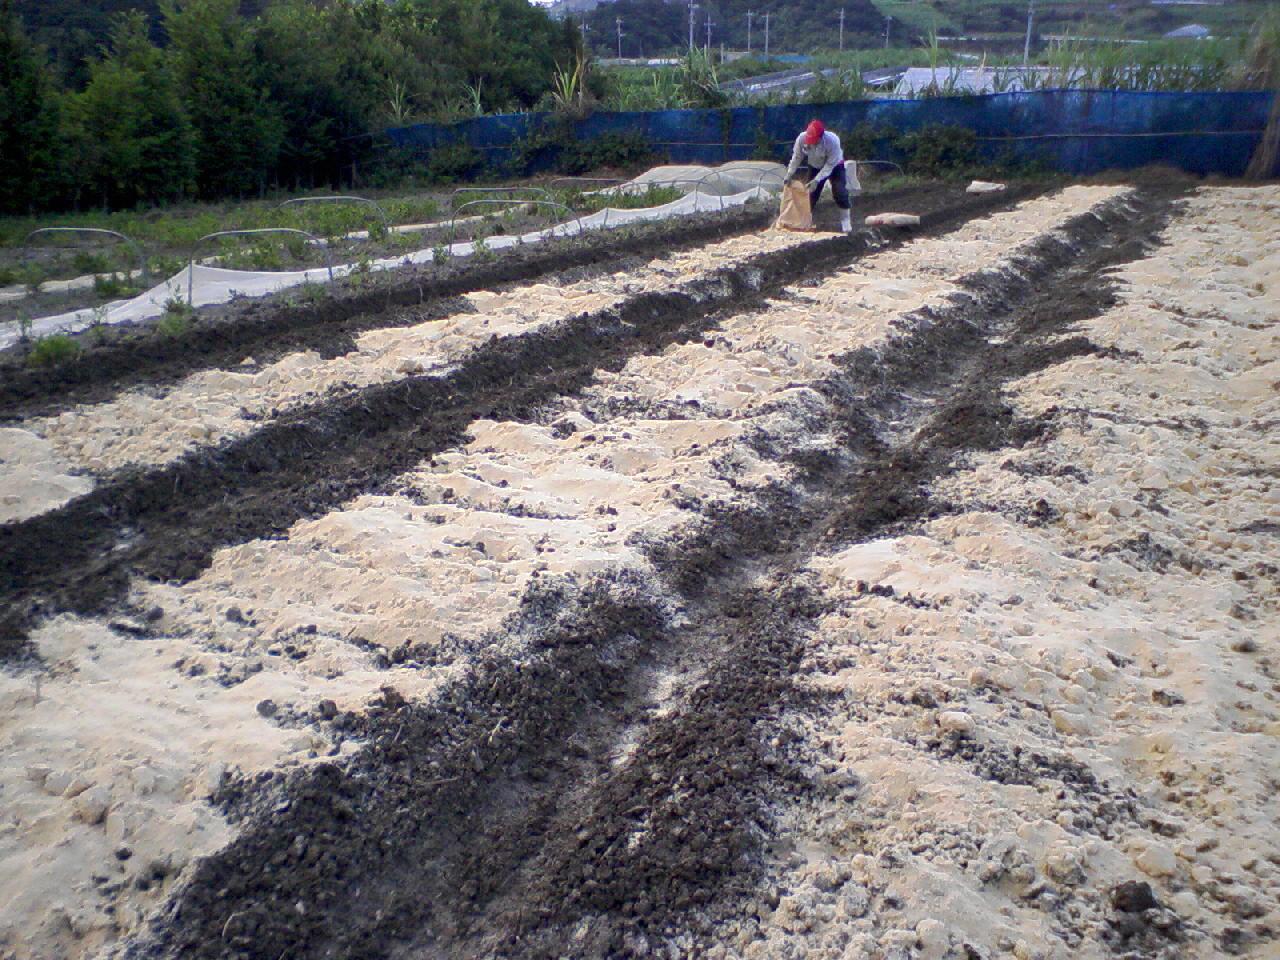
(939, 150)
(697, 81)
(98, 325)
(440, 253)
(456, 161)
(53, 349)
(175, 323)
(178, 307)
(112, 286)
(84, 262)
(311, 292)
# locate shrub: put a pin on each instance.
(456, 161)
(112, 286)
(84, 262)
(939, 150)
(178, 307)
(53, 349)
(629, 149)
(175, 323)
(556, 147)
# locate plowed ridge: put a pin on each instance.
(399, 588)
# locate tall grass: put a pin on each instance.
(1184, 65)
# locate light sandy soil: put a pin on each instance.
(148, 428)
(152, 427)
(91, 764)
(1097, 628)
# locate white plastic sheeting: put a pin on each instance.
(217, 285)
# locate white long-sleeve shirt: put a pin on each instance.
(824, 156)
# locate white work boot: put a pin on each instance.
(845, 226)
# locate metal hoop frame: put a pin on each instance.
(535, 203)
(586, 180)
(382, 214)
(541, 193)
(887, 163)
(191, 262)
(697, 182)
(137, 250)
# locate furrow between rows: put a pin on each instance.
(166, 522)
(533, 809)
(503, 705)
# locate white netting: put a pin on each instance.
(725, 180)
(217, 285)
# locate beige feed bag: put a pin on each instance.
(794, 212)
(893, 220)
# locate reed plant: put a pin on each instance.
(1259, 69)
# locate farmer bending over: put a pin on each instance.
(818, 158)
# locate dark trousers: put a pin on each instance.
(839, 186)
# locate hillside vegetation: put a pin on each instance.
(660, 27)
(226, 104)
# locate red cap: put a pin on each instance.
(813, 133)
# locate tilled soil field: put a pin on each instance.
(902, 595)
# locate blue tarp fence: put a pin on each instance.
(1073, 131)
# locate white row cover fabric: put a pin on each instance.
(727, 179)
(218, 285)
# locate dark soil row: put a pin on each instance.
(118, 357)
(490, 823)
(165, 523)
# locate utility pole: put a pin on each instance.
(692, 7)
(766, 35)
(750, 16)
(887, 22)
(618, 22)
(842, 28)
(708, 46)
(1026, 46)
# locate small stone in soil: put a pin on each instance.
(1133, 896)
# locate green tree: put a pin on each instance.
(239, 130)
(132, 138)
(337, 72)
(502, 53)
(30, 127)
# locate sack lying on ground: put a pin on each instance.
(893, 220)
(794, 212)
(983, 186)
